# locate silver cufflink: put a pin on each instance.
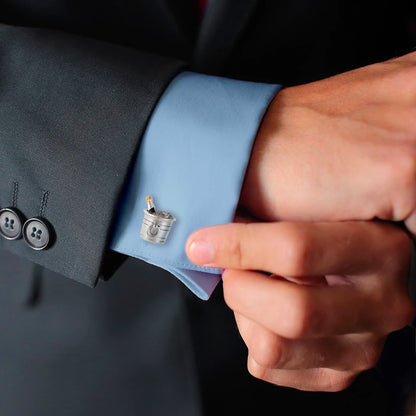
(156, 224)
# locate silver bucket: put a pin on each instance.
(156, 227)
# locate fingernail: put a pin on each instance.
(202, 253)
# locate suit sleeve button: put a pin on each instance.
(11, 221)
(37, 233)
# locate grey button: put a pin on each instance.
(11, 222)
(37, 233)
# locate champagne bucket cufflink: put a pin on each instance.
(156, 224)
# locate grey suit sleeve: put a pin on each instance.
(72, 112)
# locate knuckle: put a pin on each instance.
(267, 353)
(299, 316)
(256, 370)
(297, 251)
(370, 354)
(236, 257)
(238, 249)
(398, 310)
(369, 361)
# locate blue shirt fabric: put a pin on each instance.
(192, 161)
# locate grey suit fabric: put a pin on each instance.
(94, 352)
(72, 113)
(78, 82)
(139, 345)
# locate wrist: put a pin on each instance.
(258, 185)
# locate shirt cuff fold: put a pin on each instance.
(192, 161)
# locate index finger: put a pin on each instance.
(300, 249)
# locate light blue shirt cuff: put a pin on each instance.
(192, 161)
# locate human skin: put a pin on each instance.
(336, 290)
(339, 149)
(343, 148)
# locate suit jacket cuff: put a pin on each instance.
(72, 112)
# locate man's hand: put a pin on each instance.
(343, 148)
(321, 318)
